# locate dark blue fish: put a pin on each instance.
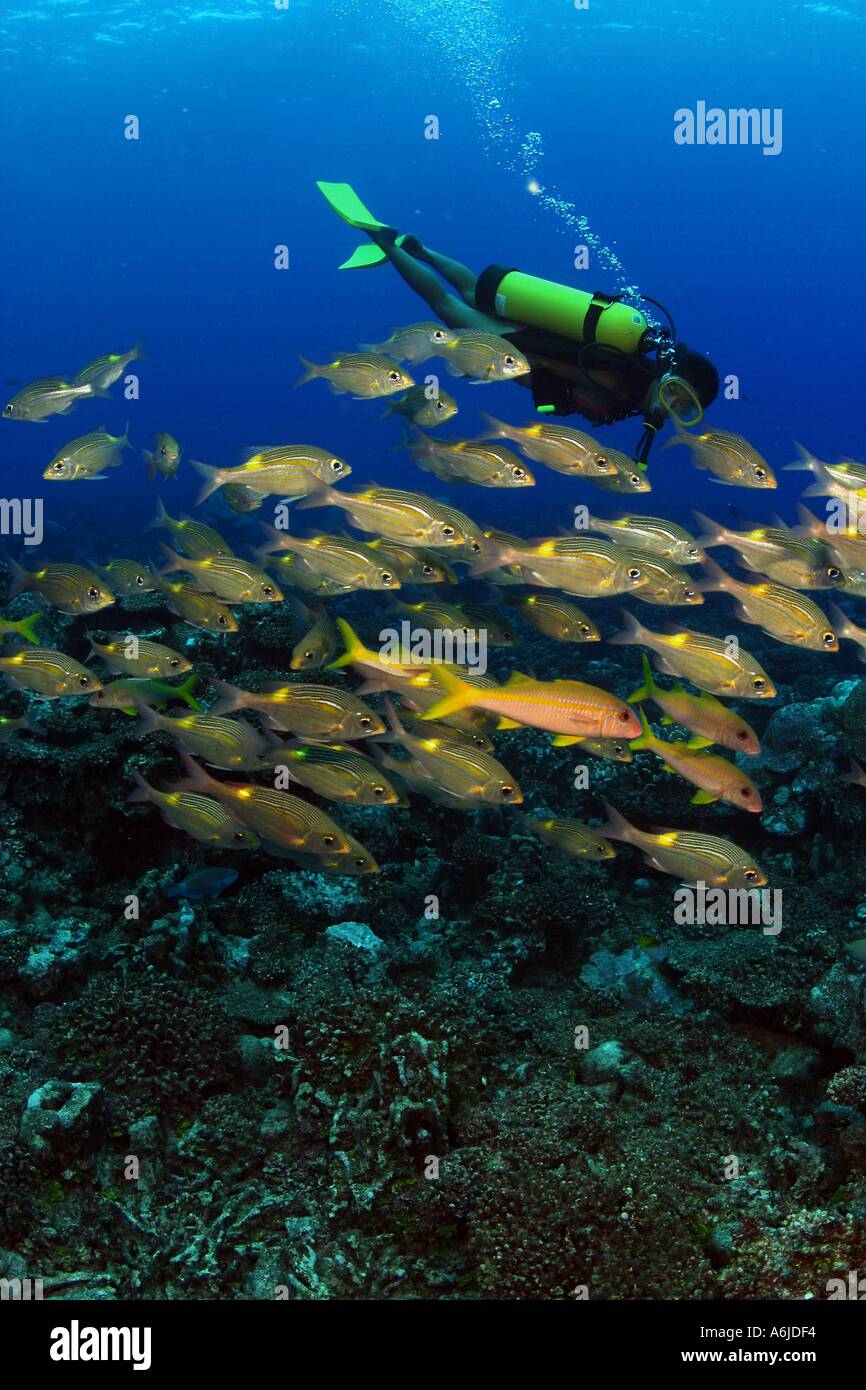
(204, 883)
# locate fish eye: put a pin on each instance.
(617, 748)
(387, 577)
(624, 716)
(92, 593)
(834, 573)
(84, 680)
(7, 410)
(365, 721)
(829, 638)
(584, 627)
(360, 863)
(750, 875)
(601, 847)
(440, 405)
(337, 465)
(758, 682)
(518, 472)
(174, 661)
(239, 835)
(329, 840)
(223, 620)
(509, 360)
(308, 656)
(164, 451)
(634, 479)
(448, 530)
(475, 548)
(393, 376)
(601, 462)
(742, 735)
(427, 569)
(378, 791)
(139, 579)
(507, 791)
(267, 589)
(693, 552)
(59, 467)
(746, 791)
(689, 594)
(634, 573)
(437, 335)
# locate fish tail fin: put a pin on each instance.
(185, 689)
(809, 523)
(717, 580)
(458, 697)
(196, 779)
(21, 578)
(142, 790)
(26, 628)
(211, 476)
(319, 495)
(855, 775)
(632, 632)
(175, 562)
(806, 463)
(148, 723)
(493, 428)
(647, 689)
(616, 827)
(354, 647)
(680, 436)
(231, 698)
(310, 372)
(711, 532)
(644, 739)
(162, 517)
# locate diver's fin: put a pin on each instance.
(367, 255)
(346, 204)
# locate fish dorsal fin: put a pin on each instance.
(518, 678)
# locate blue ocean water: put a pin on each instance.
(242, 106)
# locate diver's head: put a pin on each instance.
(698, 371)
(687, 383)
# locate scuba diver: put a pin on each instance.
(589, 354)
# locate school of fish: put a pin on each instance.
(417, 722)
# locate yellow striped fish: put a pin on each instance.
(317, 647)
(483, 357)
(289, 470)
(651, 533)
(395, 515)
(277, 817)
(227, 576)
(560, 447)
(470, 461)
(352, 564)
(722, 668)
(583, 566)
(68, 588)
(782, 613)
(197, 608)
(459, 769)
(199, 816)
(127, 577)
(135, 656)
(335, 771)
(690, 857)
(319, 712)
(48, 673)
(575, 839)
(226, 743)
(196, 540)
(667, 585)
(554, 617)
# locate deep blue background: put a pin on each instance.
(244, 106)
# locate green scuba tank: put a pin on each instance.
(562, 309)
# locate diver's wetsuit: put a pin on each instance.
(571, 377)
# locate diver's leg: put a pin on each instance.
(458, 275)
(453, 312)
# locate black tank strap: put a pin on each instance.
(600, 302)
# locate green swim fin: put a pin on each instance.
(367, 255)
(346, 204)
